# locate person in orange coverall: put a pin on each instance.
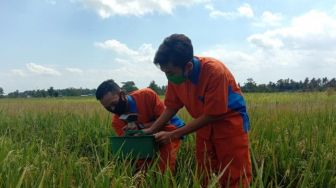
(209, 92)
(148, 106)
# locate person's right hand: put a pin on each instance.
(164, 137)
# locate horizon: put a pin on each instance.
(241, 85)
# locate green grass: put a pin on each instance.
(64, 143)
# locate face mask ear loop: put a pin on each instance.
(123, 96)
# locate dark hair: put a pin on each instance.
(105, 87)
(176, 49)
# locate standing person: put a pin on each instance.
(209, 92)
(148, 106)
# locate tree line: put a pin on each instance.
(128, 86)
(282, 85)
(289, 85)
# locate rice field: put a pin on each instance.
(63, 142)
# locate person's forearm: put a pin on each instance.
(149, 124)
(194, 125)
(167, 114)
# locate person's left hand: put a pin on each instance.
(163, 137)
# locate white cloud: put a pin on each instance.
(74, 70)
(257, 63)
(18, 72)
(42, 70)
(314, 30)
(246, 11)
(268, 19)
(106, 8)
(242, 65)
(136, 66)
(264, 66)
(265, 41)
(272, 19)
(115, 46)
(235, 60)
(304, 48)
(133, 64)
(243, 11)
(144, 53)
(214, 13)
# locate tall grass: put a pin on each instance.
(64, 143)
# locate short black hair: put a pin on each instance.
(105, 87)
(176, 49)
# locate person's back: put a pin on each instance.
(205, 90)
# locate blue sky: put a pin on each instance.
(80, 43)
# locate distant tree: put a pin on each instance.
(56, 94)
(272, 86)
(306, 84)
(129, 86)
(332, 83)
(250, 86)
(51, 91)
(324, 81)
(313, 84)
(41, 93)
(14, 94)
(294, 85)
(282, 85)
(163, 89)
(155, 87)
(262, 88)
(71, 92)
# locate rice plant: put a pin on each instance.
(64, 142)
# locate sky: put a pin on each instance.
(81, 43)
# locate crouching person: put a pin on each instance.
(148, 106)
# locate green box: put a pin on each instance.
(139, 147)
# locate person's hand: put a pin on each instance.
(164, 137)
(147, 131)
(130, 126)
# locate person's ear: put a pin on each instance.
(122, 94)
(189, 66)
